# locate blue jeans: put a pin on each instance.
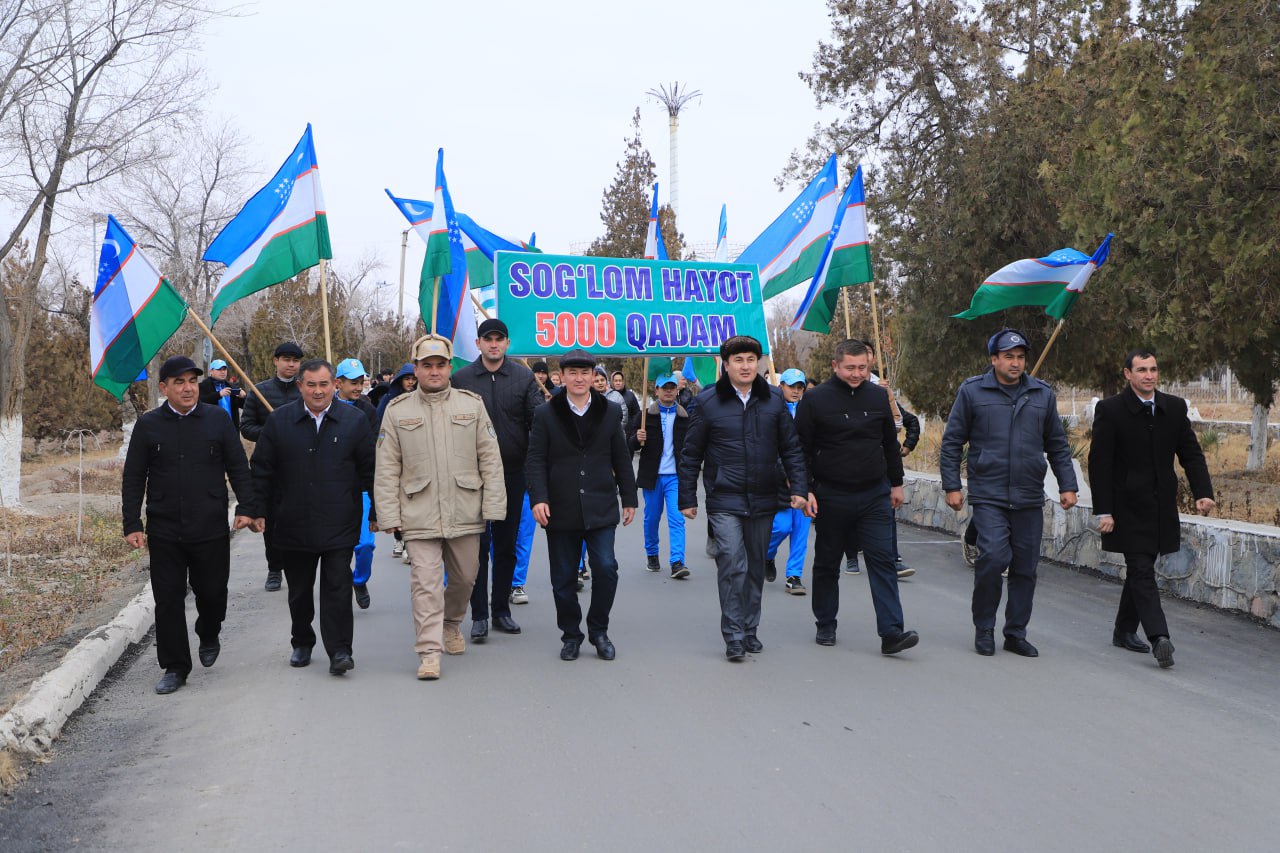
(1006, 537)
(363, 568)
(793, 523)
(847, 520)
(654, 500)
(563, 548)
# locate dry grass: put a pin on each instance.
(11, 771)
(47, 578)
(1242, 495)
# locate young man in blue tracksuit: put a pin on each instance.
(789, 521)
(350, 377)
(660, 451)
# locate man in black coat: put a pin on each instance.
(181, 455)
(217, 391)
(851, 447)
(510, 395)
(313, 461)
(741, 430)
(278, 390)
(1136, 434)
(578, 465)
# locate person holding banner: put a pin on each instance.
(217, 391)
(656, 475)
(577, 467)
(740, 432)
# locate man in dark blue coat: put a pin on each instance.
(313, 462)
(1010, 422)
(1136, 435)
(578, 465)
(741, 430)
(181, 455)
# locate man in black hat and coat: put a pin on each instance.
(577, 467)
(1136, 435)
(181, 455)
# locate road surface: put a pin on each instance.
(1088, 747)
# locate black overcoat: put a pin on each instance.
(579, 465)
(1131, 471)
(310, 482)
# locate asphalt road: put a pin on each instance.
(802, 747)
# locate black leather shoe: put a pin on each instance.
(209, 653)
(825, 637)
(900, 643)
(1128, 640)
(770, 571)
(1020, 646)
(362, 595)
(170, 682)
(301, 656)
(340, 663)
(1164, 652)
(273, 582)
(479, 630)
(735, 651)
(604, 647)
(752, 644)
(569, 651)
(506, 625)
(984, 642)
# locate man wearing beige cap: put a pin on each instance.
(437, 481)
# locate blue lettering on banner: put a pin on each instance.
(658, 331)
(542, 280)
(613, 289)
(698, 337)
(671, 331)
(721, 327)
(671, 284)
(678, 327)
(588, 272)
(636, 332)
(520, 279)
(728, 287)
(566, 286)
(639, 283)
(708, 281)
(744, 285)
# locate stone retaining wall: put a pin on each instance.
(1229, 564)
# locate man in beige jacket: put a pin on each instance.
(438, 480)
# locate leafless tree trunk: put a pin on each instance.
(1258, 435)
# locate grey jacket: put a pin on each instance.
(1007, 442)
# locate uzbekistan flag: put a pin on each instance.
(444, 276)
(135, 310)
(654, 248)
(700, 370)
(846, 260)
(1054, 281)
(722, 236)
(278, 234)
(788, 251)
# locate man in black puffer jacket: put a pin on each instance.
(741, 430)
(313, 462)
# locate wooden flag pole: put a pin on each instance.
(476, 302)
(230, 358)
(404, 249)
(1048, 346)
(644, 410)
(435, 303)
(875, 329)
(324, 311)
(848, 327)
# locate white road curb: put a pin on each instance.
(32, 725)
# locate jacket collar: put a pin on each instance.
(170, 413)
(335, 412)
(1028, 382)
(726, 392)
(1135, 405)
(568, 420)
(680, 410)
(482, 371)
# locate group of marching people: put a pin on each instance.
(462, 465)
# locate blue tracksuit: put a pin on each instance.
(794, 523)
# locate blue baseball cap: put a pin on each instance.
(351, 368)
(665, 379)
(791, 376)
(217, 364)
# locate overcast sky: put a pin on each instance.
(531, 102)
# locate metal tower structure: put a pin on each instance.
(674, 97)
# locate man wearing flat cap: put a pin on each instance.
(510, 394)
(1010, 422)
(278, 390)
(438, 480)
(578, 466)
(181, 455)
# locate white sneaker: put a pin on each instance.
(518, 595)
(970, 553)
(398, 548)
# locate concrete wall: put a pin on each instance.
(1229, 564)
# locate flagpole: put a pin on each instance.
(644, 410)
(1048, 346)
(228, 356)
(844, 297)
(875, 329)
(324, 311)
(435, 303)
(476, 302)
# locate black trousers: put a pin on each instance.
(1006, 538)
(336, 621)
(502, 535)
(564, 549)
(851, 520)
(273, 556)
(206, 566)
(1140, 598)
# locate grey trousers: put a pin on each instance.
(743, 543)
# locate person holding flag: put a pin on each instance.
(656, 475)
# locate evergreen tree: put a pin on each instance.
(625, 206)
